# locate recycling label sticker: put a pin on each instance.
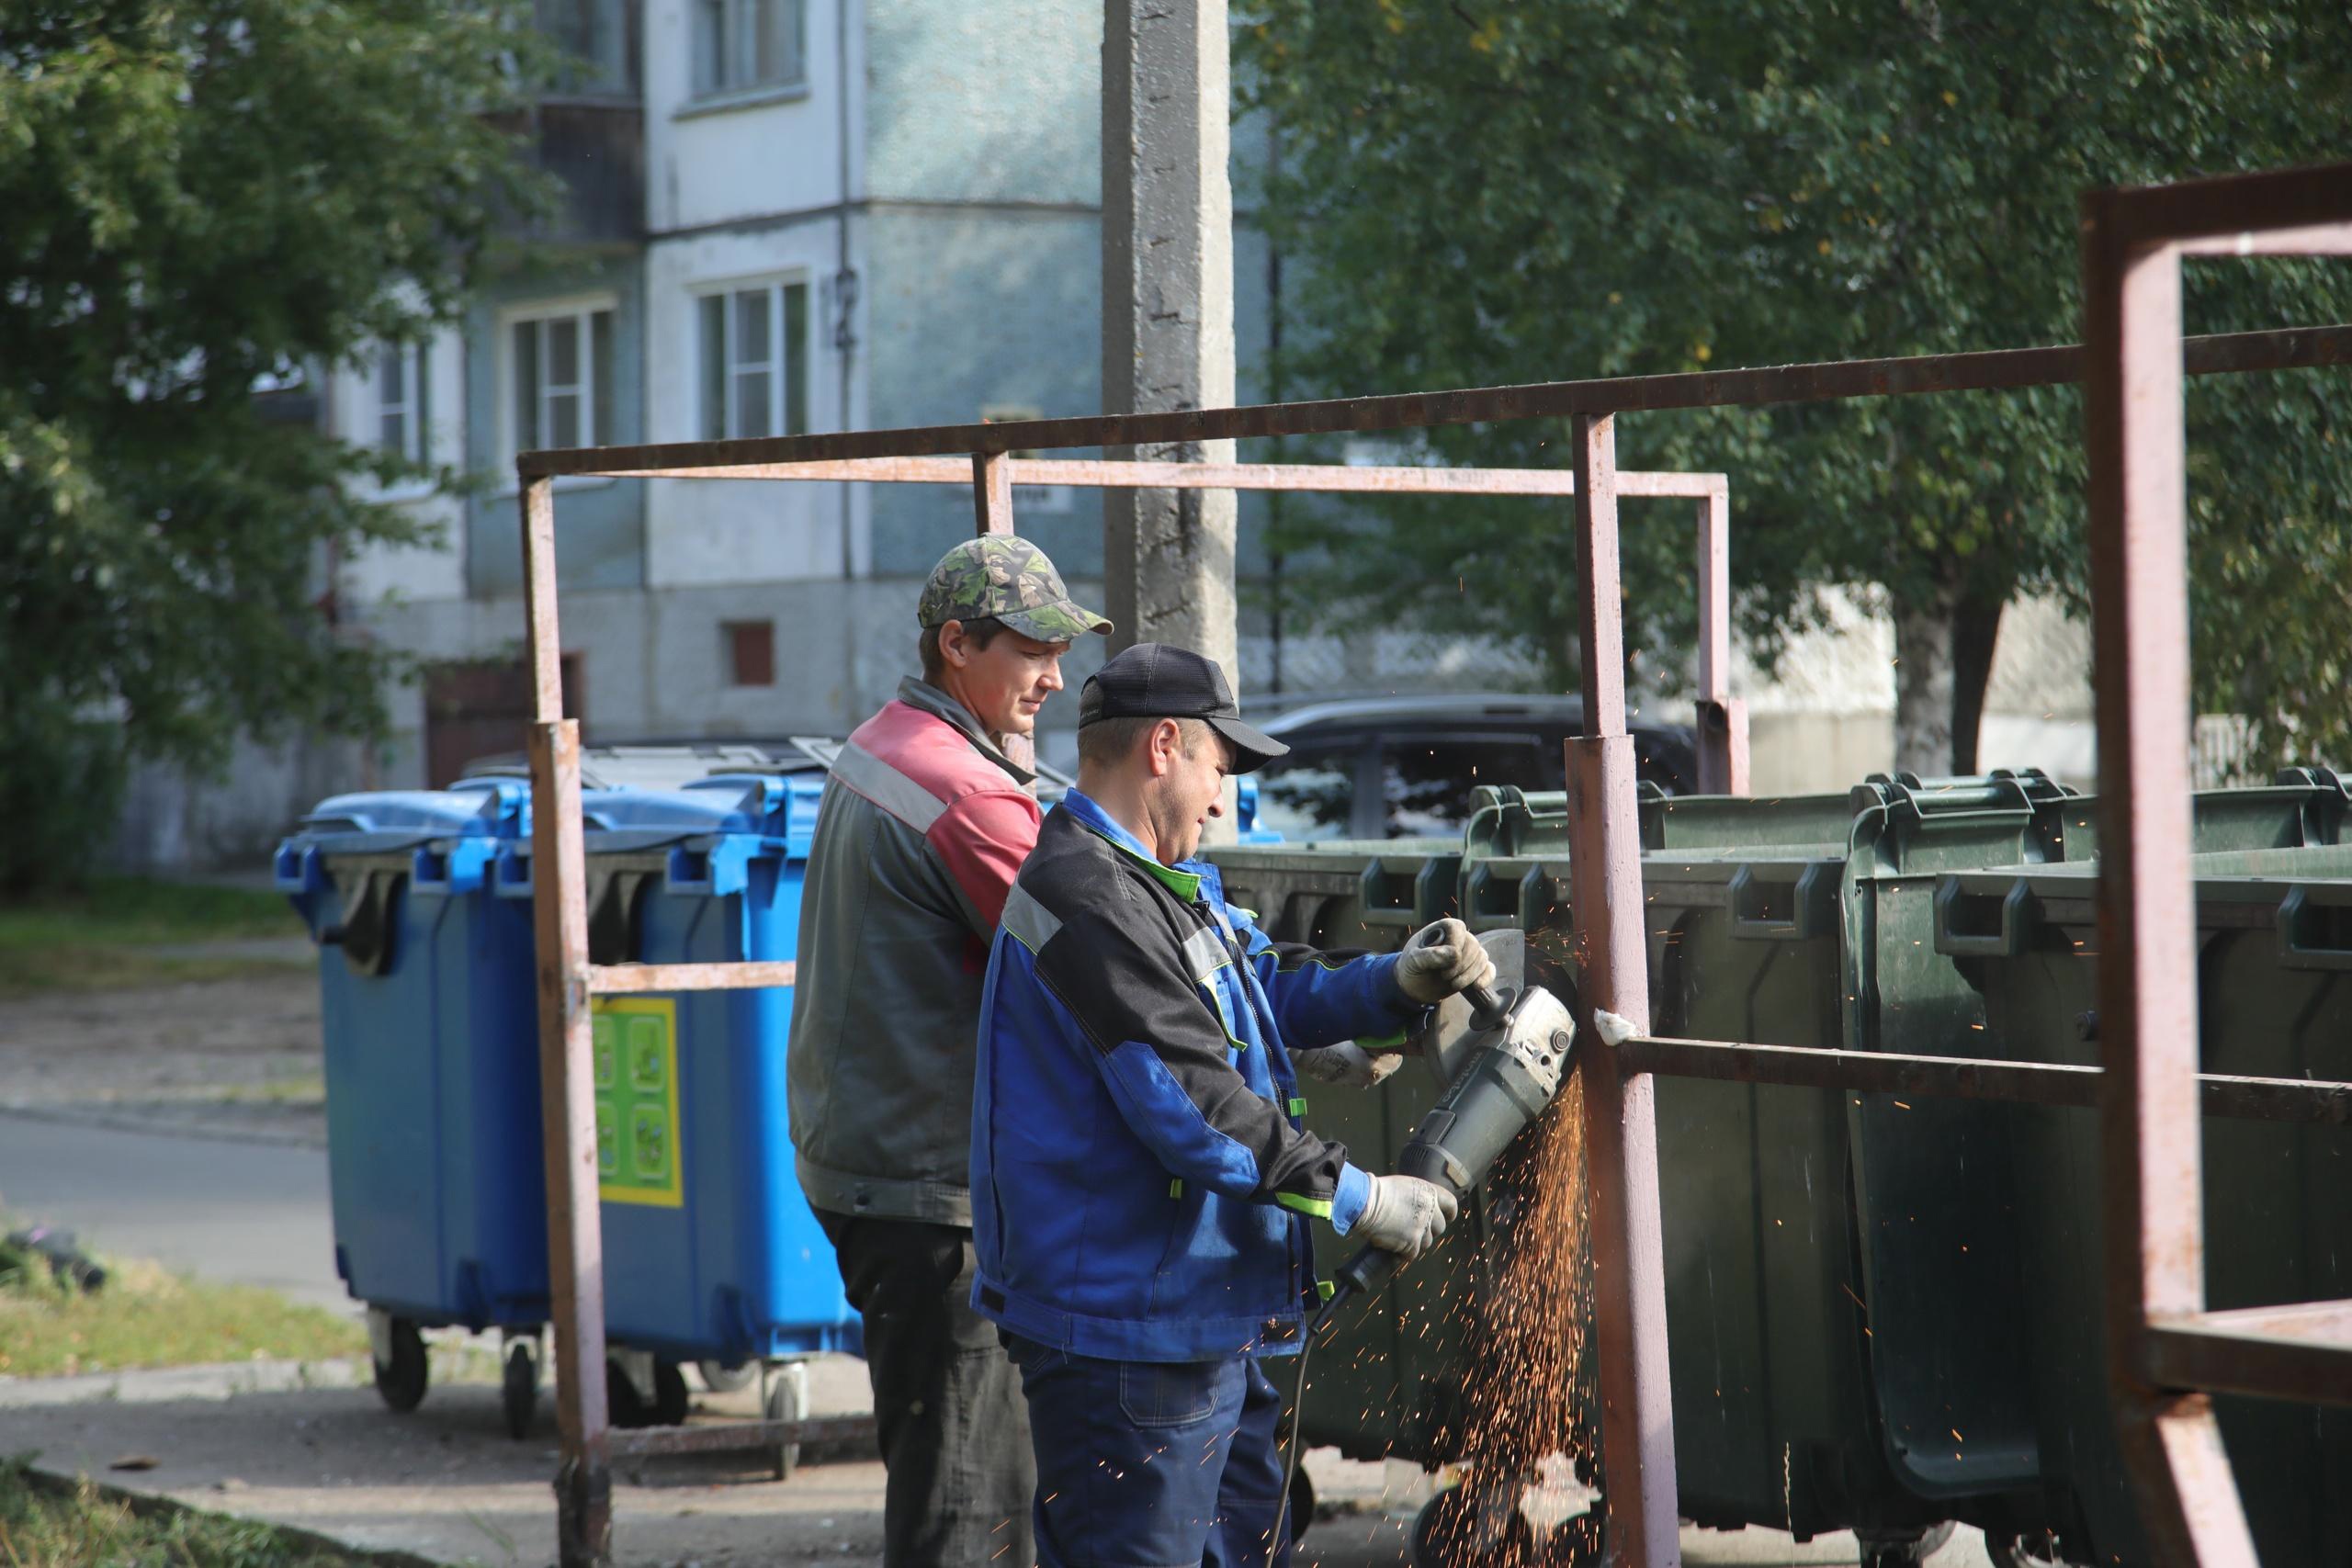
(636, 1100)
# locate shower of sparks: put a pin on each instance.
(1526, 1436)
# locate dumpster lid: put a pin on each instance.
(670, 767)
(389, 820)
(777, 805)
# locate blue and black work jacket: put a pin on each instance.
(1142, 1182)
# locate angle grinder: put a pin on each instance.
(1511, 1066)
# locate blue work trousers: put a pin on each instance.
(1151, 1464)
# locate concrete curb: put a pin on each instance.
(159, 1125)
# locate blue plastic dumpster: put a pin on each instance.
(431, 1064)
(711, 1252)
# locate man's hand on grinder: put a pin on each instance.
(1405, 1215)
(1444, 958)
(1347, 1064)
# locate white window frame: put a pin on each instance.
(787, 394)
(412, 409)
(581, 309)
(721, 41)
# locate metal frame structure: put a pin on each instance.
(2165, 1345)
(575, 1230)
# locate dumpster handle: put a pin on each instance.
(1747, 894)
(1379, 904)
(1959, 933)
(1535, 893)
(2307, 938)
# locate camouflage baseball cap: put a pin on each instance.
(1006, 577)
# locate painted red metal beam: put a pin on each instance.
(1987, 370)
(2299, 1353)
(615, 979)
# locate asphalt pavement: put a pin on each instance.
(239, 1212)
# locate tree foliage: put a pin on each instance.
(200, 196)
(1482, 193)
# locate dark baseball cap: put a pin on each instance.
(1155, 679)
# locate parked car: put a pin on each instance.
(1403, 766)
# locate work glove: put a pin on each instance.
(1442, 958)
(1405, 1215)
(1347, 1065)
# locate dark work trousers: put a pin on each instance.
(1151, 1464)
(954, 1427)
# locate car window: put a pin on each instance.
(1429, 777)
(1308, 795)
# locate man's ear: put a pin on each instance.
(1164, 745)
(952, 648)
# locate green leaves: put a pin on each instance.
(1601, 189)
(199, 192)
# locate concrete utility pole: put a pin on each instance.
(1168, 313)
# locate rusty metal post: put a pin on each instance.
(583, 1483)
(2151, 1138)
(1723, 718)
(1621, 1123)
(992, 512)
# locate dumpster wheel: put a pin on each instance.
(401, 1369)
(518, 1393)
(787, 1399)
(720, 1377)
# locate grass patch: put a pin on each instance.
(84, 1528)
(147, 1316)
(98, 937)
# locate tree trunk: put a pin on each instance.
(1974, 636)
(1943, 645)
(1923, 681)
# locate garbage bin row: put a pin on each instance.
(1883, 1314)
(421, 904)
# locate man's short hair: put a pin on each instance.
(1107, 741)
(935, 663)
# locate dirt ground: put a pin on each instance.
(234, 1057)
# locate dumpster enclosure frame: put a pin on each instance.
(2167, 1350)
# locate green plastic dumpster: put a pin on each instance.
(1764, 922)
(2274, 924)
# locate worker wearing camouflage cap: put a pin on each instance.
(923, 825)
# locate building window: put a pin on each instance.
(755, 361)
(598, 42)
(751, 652)
(560, 374)
(401, 411)
(741, 44)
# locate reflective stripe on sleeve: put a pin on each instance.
(888, 788)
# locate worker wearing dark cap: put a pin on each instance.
(1142, 1180)
(922, 825)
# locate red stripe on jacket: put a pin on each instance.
(990, 824)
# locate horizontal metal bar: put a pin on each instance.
(1987, 370)
(1969, 1077)
(1330, 479)
(1864, 1072)
(2298, 1320)
(2318, 240)
(731, 1436)
(2281, 201)
(614, 979)
(2193, 1353)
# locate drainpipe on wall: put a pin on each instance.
(845, 278)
